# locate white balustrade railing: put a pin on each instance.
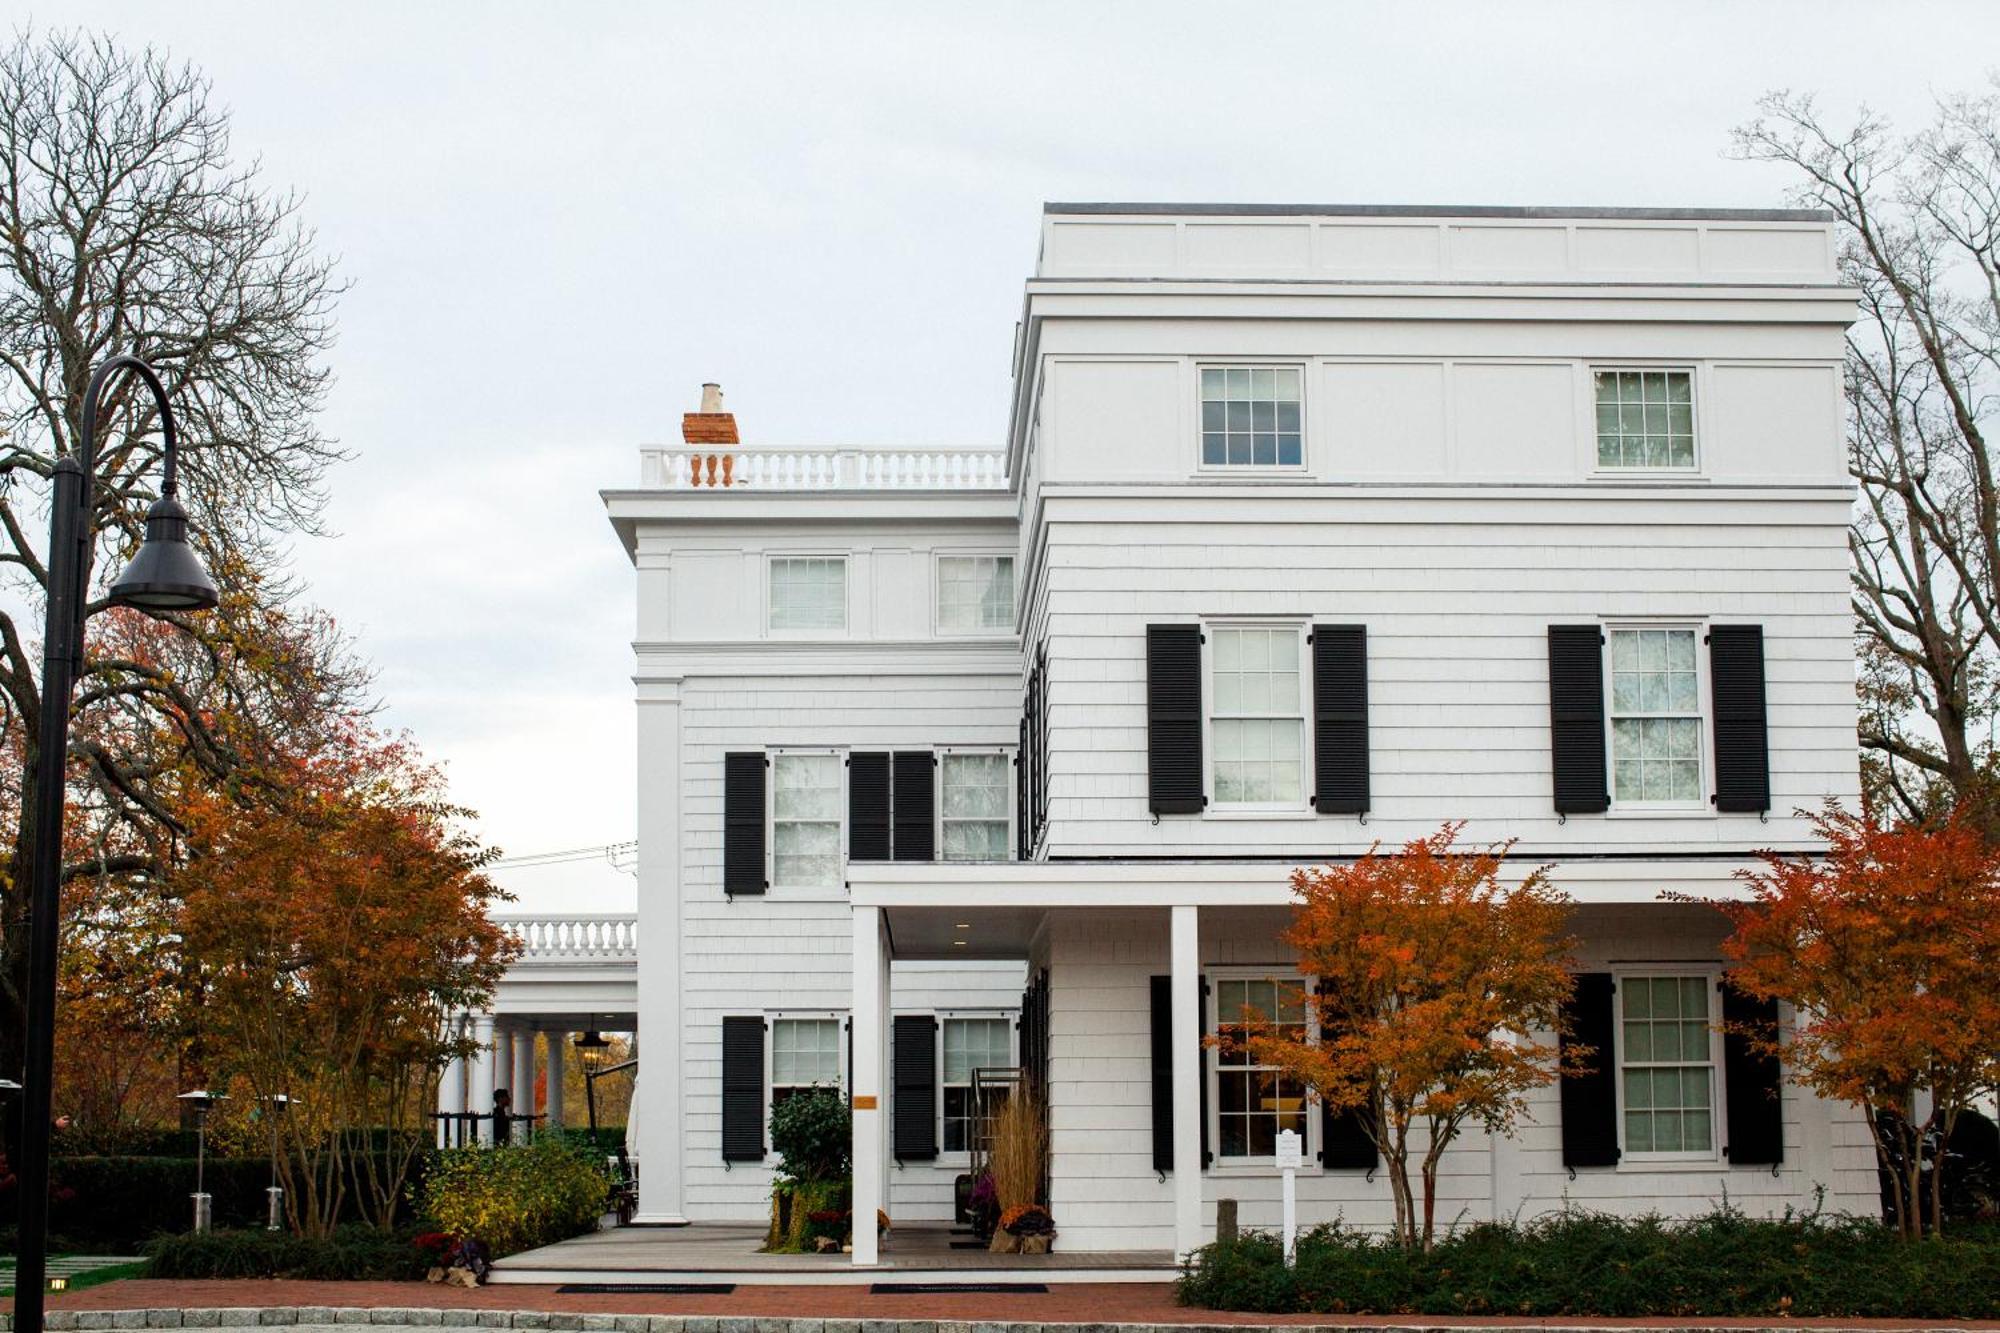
(688, 468)
(598, 935)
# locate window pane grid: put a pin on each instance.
(805, 1053)
(1250, 417)
(809, 593)
(1254, 1102)
(1667, 1078)
(1257, 718)
(975, 593)
(805, 820)
(973, 813)
(1645, 419)
(1655, 716)
(969, 1044)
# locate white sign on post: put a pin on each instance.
(1290, 1157)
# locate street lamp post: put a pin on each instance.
(590, 1048)
(165, 575)
(274, 1194)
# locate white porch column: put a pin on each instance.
(451, 1085)
(658, 1140)
(553, 1062)
(503, 1057)
(1185, 991)
(871, 1018)
(485, 1073)
(524, 1073)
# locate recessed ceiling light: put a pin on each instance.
(960, 944)
(963, 925)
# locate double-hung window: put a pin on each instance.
(969, 1044)
(1256, 727)
(1254, 1101)
(1645, 419)
(1250, 417)
(1656, 720)
(808, 594)
(807, 798)
(975, 594)
(1667, 1066)
(805, 1054)
(974, 821)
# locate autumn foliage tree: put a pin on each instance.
(1435, 990)
(337, 920)
(1888, 949)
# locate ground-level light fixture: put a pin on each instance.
(202, 1101)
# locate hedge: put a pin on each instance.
(518, 1198)
(352, 1253)
(1574, 1263)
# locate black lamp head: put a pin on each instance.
(166, 574)
(591, 1046)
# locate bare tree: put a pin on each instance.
(126, 226)
(1920, 221)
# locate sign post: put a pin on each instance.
(1291, 1156)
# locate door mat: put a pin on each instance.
(947, 1288)
(647, 1288)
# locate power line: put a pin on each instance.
(612, 852)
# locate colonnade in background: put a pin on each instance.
(505, 1060)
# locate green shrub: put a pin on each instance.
(351, 1253)
(813, 1133)
(1576, 1263)
(517, 1198)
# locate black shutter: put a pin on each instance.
(1344, 1144)
(1163, 1074)
(1750, 1081)
(743, 1089)
(1590, 1101)
(915, 1057)
(1742, 745)
(1023, 816)
(868, 807)
(1576, 719)
(743, 824)
(916, 802)
(1340, 719)
(1173, 719)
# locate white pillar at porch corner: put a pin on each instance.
(1184, 991)
(503, 1057)
(657, 1140)
(485, 1073)
(871, 969)
(524, 1073)
(552, 1099)
(451, 1086)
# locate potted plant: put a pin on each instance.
(813, 1137)
(1020, 1157)
(1031, 1227)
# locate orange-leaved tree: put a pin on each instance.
(338, 918)
(1435, 990)
(1887, 947)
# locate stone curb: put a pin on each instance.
(283, 1316)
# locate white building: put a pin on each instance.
(1313, 527)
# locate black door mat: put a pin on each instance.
(947, 1288)
(647, 1288)
(970, 1245)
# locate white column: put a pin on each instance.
(524, 1073)
(485, 1073)
(553, 1062)
(871, 1016)
(451, 1084)
(659, 1143)
(1185, 992)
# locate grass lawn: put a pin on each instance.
(96, 1277)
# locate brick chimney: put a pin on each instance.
(711, 425)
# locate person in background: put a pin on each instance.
(503, 1117)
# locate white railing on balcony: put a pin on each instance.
(594, 935)
(688, 468)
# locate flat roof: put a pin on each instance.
(1442, 211)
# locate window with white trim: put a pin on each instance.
(1256, 716)
(969, 1044)
(807, 800)
(1645, 419)
(805, 1054)
(1250, 416)
(975, 594)
(977, 794)
(808, 592)
(1656, 719)
(1666, 1066)
(1254, 1101)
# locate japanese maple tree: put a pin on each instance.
(1435, 990)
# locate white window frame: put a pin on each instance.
(1011, 1018)
(1598, 468)
(1710, 975)
(937, 589)
(771, 561)
(771, 758)
(1006, 754)
(771, 1021)
(1207, 469)
(1212, 1004)
(1215, 807)
(1704, 724)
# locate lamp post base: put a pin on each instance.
(204, 1212)
(275, 1213)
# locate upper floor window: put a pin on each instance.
(1257, 715)
(969, 1044)
(973, 814)
(809, 592)
(1254, 1101)
(1667, 1065)
(805, 1054)
(1250, 416)
(1656, 723)
(806, 803)
(1645, 419)
(975, 594)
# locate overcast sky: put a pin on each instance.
(560, 219)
